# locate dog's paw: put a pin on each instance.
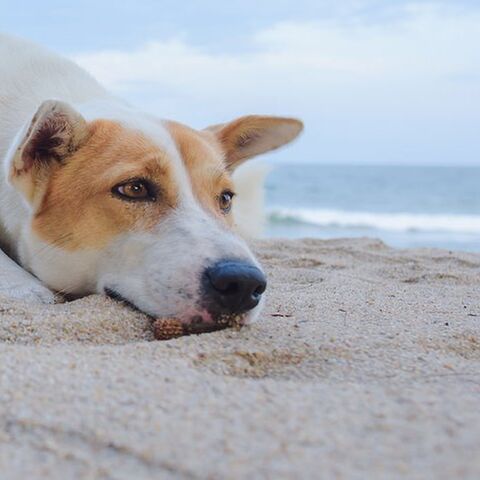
(32, 293)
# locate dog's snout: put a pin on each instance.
(234, 286)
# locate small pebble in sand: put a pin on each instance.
(167, 328)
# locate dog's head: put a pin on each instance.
(140, 209)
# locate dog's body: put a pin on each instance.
(96, 196)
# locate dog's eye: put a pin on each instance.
(134, 190)
(225, 200)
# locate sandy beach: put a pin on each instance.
(365, 364)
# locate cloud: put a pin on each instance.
(358, 74)
(425, 45)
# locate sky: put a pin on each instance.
(375, 82)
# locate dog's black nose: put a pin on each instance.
(233, 286)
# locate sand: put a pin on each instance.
(365, 364)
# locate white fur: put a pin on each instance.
(18, 284)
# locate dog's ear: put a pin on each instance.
(253, 135)
(55, 132)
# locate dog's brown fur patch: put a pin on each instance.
(204, 161)
(78, 209)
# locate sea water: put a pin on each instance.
(403, 206)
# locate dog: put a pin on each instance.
(99, 197)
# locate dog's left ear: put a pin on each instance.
(55, 132)
(253, 135)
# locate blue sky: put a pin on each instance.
(395, 82)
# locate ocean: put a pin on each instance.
(403, 206)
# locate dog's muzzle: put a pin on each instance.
(229, 290)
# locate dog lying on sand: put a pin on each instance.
(99, 197)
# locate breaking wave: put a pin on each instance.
(397, 222)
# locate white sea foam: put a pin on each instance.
(397, 222)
